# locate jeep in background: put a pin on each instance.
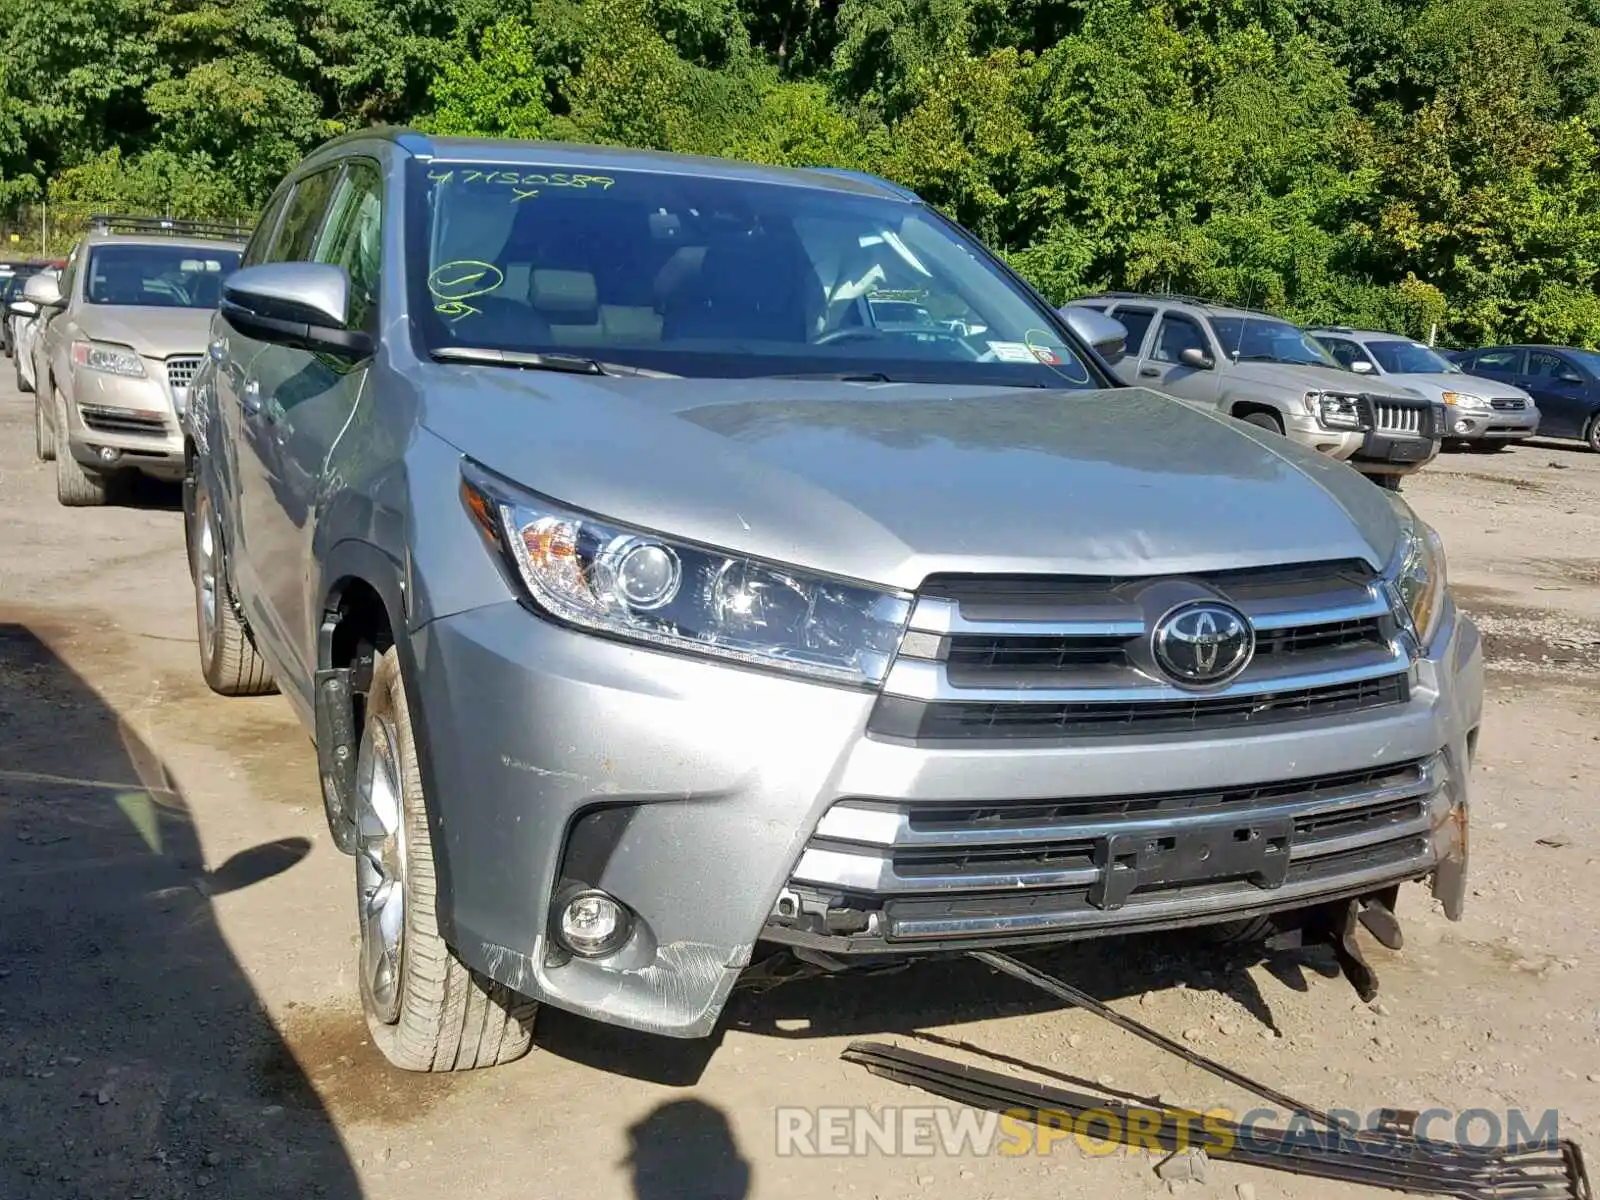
(112, 365)
(1481, 413)
(657, 611)
(1266, 372)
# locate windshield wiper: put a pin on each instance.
(836, 377)
(571, 364)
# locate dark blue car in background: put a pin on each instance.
(1564, 381)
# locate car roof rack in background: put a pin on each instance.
(171, 226)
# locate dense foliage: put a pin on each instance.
(1395, 162)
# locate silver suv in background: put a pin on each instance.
(127, 330)
(1267, 372)
(1480, 412)
(656, 608)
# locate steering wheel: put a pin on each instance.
(855, 333)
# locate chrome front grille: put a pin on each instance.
(123, 420)
(1064, 658)
(940, 870)
(181, 370)
(1509, 404)
(1397, 418)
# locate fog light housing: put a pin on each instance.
(1463, 426)
(109, 454)
(592, 924)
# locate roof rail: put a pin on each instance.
(116, 223)
(1178, 297)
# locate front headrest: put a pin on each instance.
(564, 297)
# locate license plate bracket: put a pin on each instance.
(1254, 850)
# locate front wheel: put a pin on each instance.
(229, 660)
(427, 1010)
(1263, 420)
(44, 433)
(1593, 435)
(75, 486)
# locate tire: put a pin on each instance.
(1389, 483)
(1592, 436)
(23, 385)
(75, 487)
(44, 433)
(427, 1011)
(1263, 420)
(229, 661)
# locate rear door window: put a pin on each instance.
(1137, 322)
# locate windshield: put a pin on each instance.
(1589, 359)
(158, 276)
(1410, 358)
(710, 277)
(1265, 339)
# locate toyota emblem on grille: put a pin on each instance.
(1203, 642)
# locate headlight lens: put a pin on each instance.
(1465, 400)
(112, 360)
(1417, 576)
(632, 584)
(1339, 412)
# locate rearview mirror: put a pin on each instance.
(1107, 335)
(42, 290)
(301, 305)
(1196, 358)
(1361, 366)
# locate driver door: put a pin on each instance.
(1162, 367)
(1558, 387)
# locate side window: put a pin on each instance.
(1176, 334)
(350, 238)
(255, 250)
(1345, 353)
(303, 216)
(1503, 361)
(1136, 321)
(1544, 365)
(69, 274)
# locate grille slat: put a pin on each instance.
(1395, 418)
(181, 370)
(1508, 404)
(1002, 658)
(122, 421)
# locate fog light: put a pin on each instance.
(593, 924)
(1463, 426)
(109, 454)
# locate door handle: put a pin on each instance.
(1150, 372)
(251, 397)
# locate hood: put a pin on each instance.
(1434, 383)
(1290, 377)
(152, 332)
(893, 482)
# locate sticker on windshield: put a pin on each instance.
(1016, 352)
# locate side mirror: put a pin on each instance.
(1361, 366)
(42, 290)
(1569, 376)
(1196, 358)
(302, 305)
(1107, 335)
(22, 308)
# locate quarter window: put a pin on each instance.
(1504, 361)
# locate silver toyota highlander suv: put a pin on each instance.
(652, 606)
(123, 334)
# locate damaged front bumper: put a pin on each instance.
(728, 807)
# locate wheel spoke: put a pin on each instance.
(380, 868)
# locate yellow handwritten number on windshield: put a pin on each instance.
(454, 283)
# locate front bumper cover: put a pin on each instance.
(690, 790)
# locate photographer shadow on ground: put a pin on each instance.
(129, 1031)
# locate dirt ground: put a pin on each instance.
(177, 1011)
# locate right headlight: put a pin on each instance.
(637, 585)
(1416, 576)
(108, 358)
(1464, 400)
(1335, 411)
